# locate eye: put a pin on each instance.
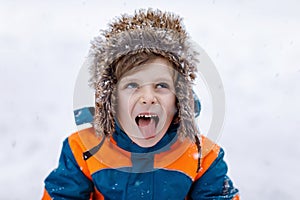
(131, 86)
(162, 85)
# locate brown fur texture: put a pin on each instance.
(149, 30)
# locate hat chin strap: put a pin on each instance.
(197, 142)
(93, 151)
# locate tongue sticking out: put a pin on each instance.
(147, 126)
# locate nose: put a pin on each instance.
(148, 95)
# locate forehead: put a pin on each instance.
(155, 68)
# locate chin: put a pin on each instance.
(149, 142)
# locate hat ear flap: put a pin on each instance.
(197, 105)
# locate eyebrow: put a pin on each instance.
(156, 79)
(129, 79)
(163, 79)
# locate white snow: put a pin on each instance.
(254, 44)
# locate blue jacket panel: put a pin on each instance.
(67, 181)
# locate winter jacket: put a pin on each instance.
(116, 168)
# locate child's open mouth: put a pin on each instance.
(147, 124)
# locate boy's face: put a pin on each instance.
(146, 102)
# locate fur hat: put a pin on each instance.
(154, 31)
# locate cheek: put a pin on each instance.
(120, 105)
(124, 104)
(170, 104)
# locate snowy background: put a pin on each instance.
(254, 44)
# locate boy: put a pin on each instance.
(144, 143)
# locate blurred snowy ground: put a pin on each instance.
(254, 44)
